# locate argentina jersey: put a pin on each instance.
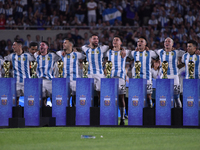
(172, 59)
(20, 65)
(118, 63)
(70, 64)
(94, 58)
(195, 58)
(45, 65)
(145, 58)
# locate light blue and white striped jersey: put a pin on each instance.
(63, 4)
(195, 58)
(1, 64)
(118, 63)
(94, 58)
(171, 58)
(145, 59)
(45, 65)
(70, 64)
(21, 65)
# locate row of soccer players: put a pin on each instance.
(94, 54)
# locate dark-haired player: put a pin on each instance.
(20, 63)
(45, 68)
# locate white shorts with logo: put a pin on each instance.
(20, 89)
(149, 87)
(176, 83)
(46, 88)
(122, 86)
(97, 80)
(73, 87)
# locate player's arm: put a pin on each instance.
(181, 63)
(154, 55)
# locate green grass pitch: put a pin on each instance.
(114, 138)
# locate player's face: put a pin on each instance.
(33, 49)
(141, 43)
(66, 44)
(191, 48)
(94, 41)
(16, 47)
(168, 43)
(117, 42)
(43, 48)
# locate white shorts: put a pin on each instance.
(73, 87)
(122, 86)
(20, 89)
(97, 80)
(46, 88)
(149, 87)
(176, 83)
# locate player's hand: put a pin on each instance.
(63, 53)
(38, 52)
(136, 49)
(123, 53)
(147, 48)
(197, 52)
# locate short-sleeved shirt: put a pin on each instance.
(45, 65)
(20, 65)
(94, 58)
(186, 58)
(70, 64)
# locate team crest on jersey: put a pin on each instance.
(19, 58)
(68, 56)
(48, 58)
(146, 54)
(195, 59)
(116, 53)
(24, 59)
(172, 54)
(97, 52)
(92, 52)
(140, 54)
(190, 58)
(190, 101)
(167, 53)
(43, 58)
(73, 56)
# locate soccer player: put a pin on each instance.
(45, 68)
(191, 56)
(94, 53)
(70, 65)
(33, 47)
(144, 56)
(20, 63)
(171, 56)
(118, 71)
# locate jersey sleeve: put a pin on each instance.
(31, 57)
(80, 55)
(8, 58)
(180, 53)
(104, 48)
(153, 54)
(158, 52)
(84, 48)
(36, 54)
(59, 53)
(56, 57)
